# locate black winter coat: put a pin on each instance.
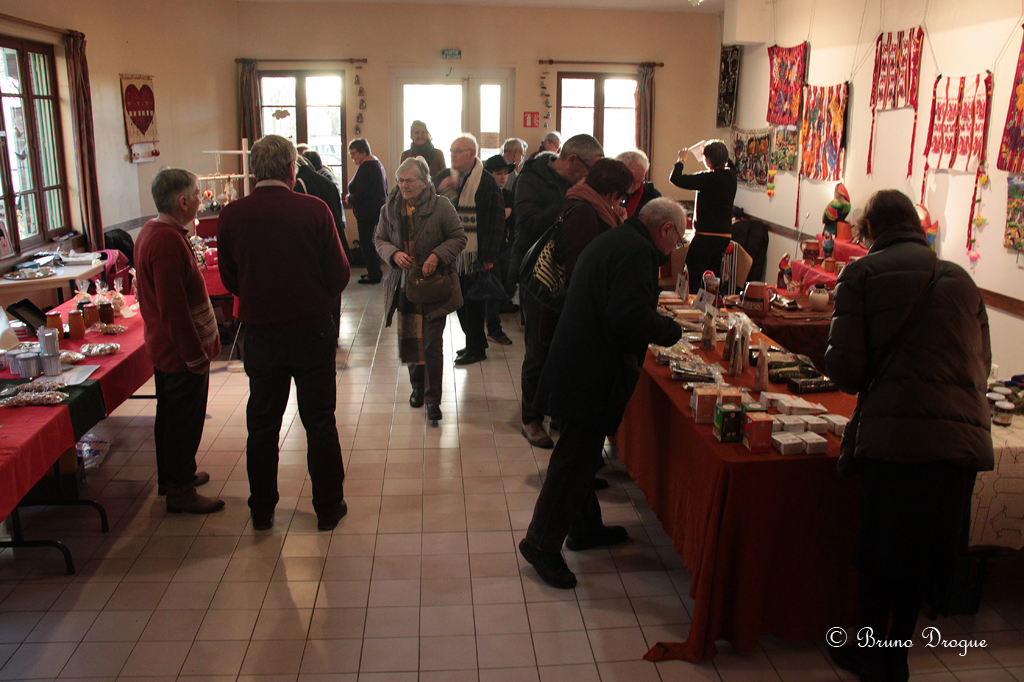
(539, 191)
(929, 403)
(610, 317)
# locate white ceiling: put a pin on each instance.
(706, 6)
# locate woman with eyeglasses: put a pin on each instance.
(420, 230)
(422, 145)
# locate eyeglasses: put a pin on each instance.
(408, 181)
(461, 151)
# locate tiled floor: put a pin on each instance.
(421, 581)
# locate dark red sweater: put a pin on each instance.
(279, 252)
(181, 331)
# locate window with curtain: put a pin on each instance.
(34, 207)
(307, 107)
(599, 104)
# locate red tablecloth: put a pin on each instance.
(843, 249)
(811, 275)
(32, 438)
(768, 539)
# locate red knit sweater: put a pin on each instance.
(279, 252)
(181, 331)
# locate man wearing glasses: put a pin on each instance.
(610, 317)
(539, 193)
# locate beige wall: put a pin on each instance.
(190, 46)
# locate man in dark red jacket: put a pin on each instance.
(280, 254)
(181, 338)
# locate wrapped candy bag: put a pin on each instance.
(82, 295)
(116, 297)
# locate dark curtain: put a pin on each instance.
(645, 107)
(80, 96)
(250, 124)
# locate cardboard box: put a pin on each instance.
(776, 424)
(792, 423)
(728, 425)
(703, 404)
(757, 431)
(787, 443)
(729, 395)
(815, 424)
(753, 407)
(836, 423)
(813, 443)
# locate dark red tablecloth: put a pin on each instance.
(801, 331)
(32, 438)
(768, 539)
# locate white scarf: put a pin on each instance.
(465, 205)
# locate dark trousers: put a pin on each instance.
(493, 308)
(567, 503)
(272, 359)
(428, 376)
(366, 228)
(336, 316)
(536, 353)
(471, 318)
(178, 427)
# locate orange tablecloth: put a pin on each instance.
(767, 538)
(33, 438)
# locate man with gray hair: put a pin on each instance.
(610, 317)
(281, 255)
(642, 191)
(514, 150)
(181, 338)
(552, 142)
(540, 191)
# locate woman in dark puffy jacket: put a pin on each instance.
(924, 429)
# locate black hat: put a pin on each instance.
(498, 162)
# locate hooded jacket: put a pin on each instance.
(539, 194)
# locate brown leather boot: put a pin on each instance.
(183, 499)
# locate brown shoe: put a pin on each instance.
(537, 436)
(201, 478)
(183, 499)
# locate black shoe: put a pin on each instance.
(551, 566)
(508, 308)
(470, 358)
(556, 424)
(368, 280)
(500, 338)
(600, 483)
(262, 521)
(460, 352)
(201, 478)
(604, 536)
(416, 398)
(434, 413)
(330, 522)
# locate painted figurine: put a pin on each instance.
(931, 227)
(785, 272)
(828, 245)
(837, 209)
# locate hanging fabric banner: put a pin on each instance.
(728, 84)
(788, 74)
(958, 130)
(139, 109)
(1014, 238)
(752, 151)
(1011, 148)
(896, 80)
(786, 147)
(823, 132)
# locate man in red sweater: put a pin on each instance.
(279, 252)
(181, 338)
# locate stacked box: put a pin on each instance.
(703, 404)
(815, 424)
(729, 395)
(791, 423)
(787, 443)
(814, 444)
(757, 431)
(753, 407)
(776, 424)
(836, 423)
(728, 426)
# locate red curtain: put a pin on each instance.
(645, 107)
(250, 124)
(80, 96)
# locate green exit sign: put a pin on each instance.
(451, 54)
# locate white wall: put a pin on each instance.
(962, 37)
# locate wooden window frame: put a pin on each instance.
(29, 97)
(301, 115)
(599, 78)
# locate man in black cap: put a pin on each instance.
(500, 169)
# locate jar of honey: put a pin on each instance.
(76, 325)
(55, 321)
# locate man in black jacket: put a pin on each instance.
(477, 198)
(540, 191)
(610, 317)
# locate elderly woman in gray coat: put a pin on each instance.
(419, 229)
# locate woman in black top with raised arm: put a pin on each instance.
(716, 190)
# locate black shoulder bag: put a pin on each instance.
(542, 271)
(848, 465)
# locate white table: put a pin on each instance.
(68, 273)
(997, 517)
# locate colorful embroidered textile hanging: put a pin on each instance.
(958, 130)
(788, 74)
(823, 132)
(786, 147)
(1014, 238)
(1011, 149)
(896, 80)
(752, 151)
(728, 84)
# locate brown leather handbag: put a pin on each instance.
(434, 289)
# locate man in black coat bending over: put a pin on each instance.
(610, 317)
